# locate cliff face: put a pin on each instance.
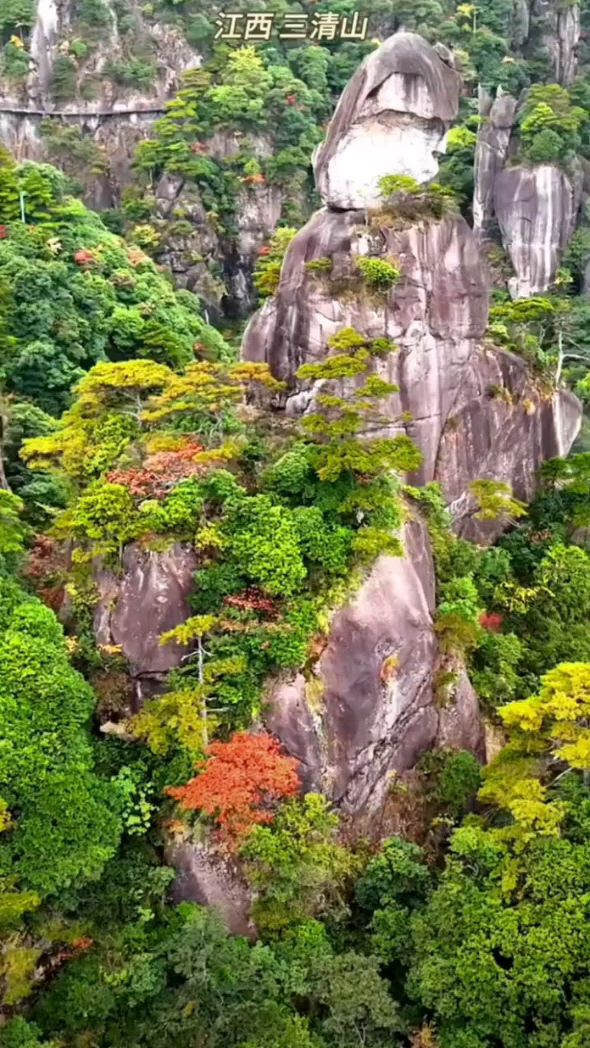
(134, 611)
(475, 411)
(104, 73)
(93, 93)
(193, 253)
(94, 82)
(535, 206)
(371, 705)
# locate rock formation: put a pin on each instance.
(134, 611)
(391, 120)
(210, 880)
(476, 412)
(535, 207)
(370, 707)
(190, 253)
(536, 210)
(497, 120)
(112, 119)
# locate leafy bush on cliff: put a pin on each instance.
(151, 456)
(501, 947)
(72, 293)
(59, 821)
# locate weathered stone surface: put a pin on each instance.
(391, 119)
(370, 707)
(44, 38)
(203, 876)
(501, 428)
(476, 412)
(195, 248)
(536, 209)
(296, 720)
(56, 24)
(561, 27)
(459, 722)
(149, 598)
(376, 711)
(214, 265)
(493, 139)
(376, 722)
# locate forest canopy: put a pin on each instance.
(134, 439)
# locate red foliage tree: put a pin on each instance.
(84, 258)
(3, 232)
(141, 483)
(240, 785)
(253, 600)
(255, 180)
(160, 472)
(491, 621)
(45, 568)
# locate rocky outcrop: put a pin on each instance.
(552, 29)
(493, 139)
(533, 208)
(148, 597)
(95, 87)
(476, 411)
(536, 208)
(109, 116)
(560, 26)
(370, 707)
(44, 39)
(203, 259)
(205, 877)
(391, 119)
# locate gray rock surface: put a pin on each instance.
(195, 249)
(536, 209)
(370, 709)
(491, 151)
(147, 599)
(391, 119)
(476, 411)
(216, 266)
(205, 877)
(560, 34)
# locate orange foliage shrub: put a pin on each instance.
(491, 621)
(84, 258)
(253, 599)
(240, 785)
(160, 472)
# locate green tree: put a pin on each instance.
(501, 949)
(297, 867)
